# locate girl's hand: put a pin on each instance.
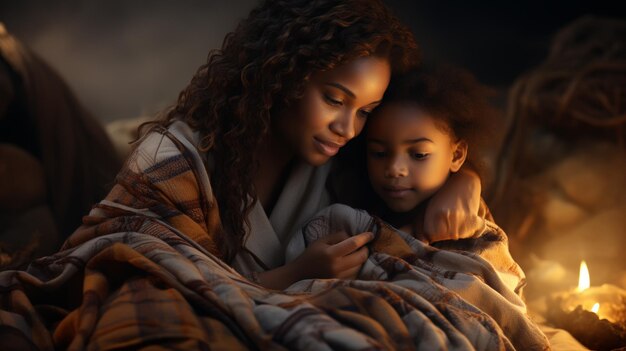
(452, 213)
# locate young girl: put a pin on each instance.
(431, 123)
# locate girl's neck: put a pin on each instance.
(411, 222)
(275, 163)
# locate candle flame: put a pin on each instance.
(583, 278)
(595, 308)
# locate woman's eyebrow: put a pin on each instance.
(349, 92)
(343, 88)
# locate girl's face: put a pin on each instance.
(409, 155)
(333, 109)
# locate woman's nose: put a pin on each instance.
(345, 124)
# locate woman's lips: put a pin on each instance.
(328, 148)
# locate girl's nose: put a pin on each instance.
(396, 168)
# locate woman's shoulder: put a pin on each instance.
(169, 155)
(164, 144)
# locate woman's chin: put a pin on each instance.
(316, 159)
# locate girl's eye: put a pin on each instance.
(332, 101)
(377, 154)
(419, 155)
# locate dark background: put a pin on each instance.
(131, 58)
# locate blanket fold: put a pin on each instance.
(144, 271)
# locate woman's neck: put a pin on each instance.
(275, 165)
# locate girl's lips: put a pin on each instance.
(327, 148)
(397, 193)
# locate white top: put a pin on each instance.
(302, 196)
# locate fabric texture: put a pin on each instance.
(144, 272)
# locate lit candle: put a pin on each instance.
(595, 308)
(584, 281)
(594, 315)
(607, 301)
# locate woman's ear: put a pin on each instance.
(459, 154)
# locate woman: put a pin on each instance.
(238, 163)
(292, 84)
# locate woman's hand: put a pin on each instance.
(452, 213)
(335, 256)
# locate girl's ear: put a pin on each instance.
(459, 154)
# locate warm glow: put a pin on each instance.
(595, 308)
(583, 277)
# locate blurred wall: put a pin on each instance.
(131, 58)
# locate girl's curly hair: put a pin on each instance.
(263, 66)
(454, 98)
(458, 101)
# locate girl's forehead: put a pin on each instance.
(400, 121)
(398, 115)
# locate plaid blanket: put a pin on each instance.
(143, 271)
(469, 277)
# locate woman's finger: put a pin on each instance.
(437, 226)
(335, 238)
(473, 226)
(467, 227)
(351, 273)
(355, 259)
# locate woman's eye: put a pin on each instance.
(332, 101)
(365, 113)
(419, 155)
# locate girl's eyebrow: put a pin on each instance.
(409, 141)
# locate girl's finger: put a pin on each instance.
(351, 244)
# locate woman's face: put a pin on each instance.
(409, 155)
(333, 109)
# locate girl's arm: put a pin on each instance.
(452, 213)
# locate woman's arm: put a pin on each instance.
(452, 213)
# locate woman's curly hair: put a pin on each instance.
(263, 66)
